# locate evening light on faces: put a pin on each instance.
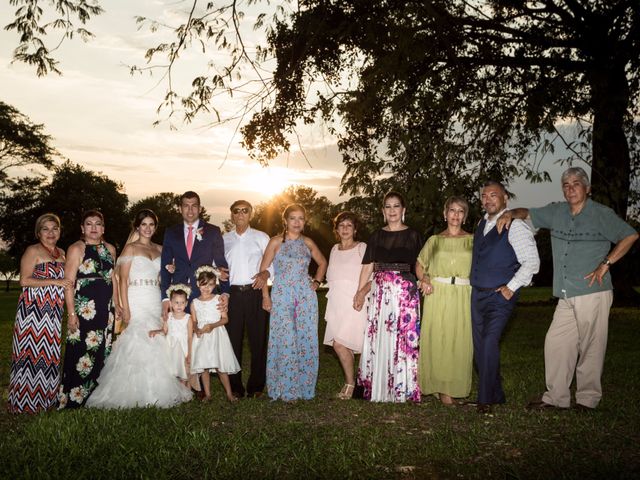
(147, 227)
(190, 209)
(295, 221)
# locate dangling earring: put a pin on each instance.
(402, 217)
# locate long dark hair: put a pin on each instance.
(294, 207)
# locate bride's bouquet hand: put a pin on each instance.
(171, 267)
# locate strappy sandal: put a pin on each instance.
(347, 392)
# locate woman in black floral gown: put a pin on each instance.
(90, 264)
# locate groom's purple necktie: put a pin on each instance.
(190, 241)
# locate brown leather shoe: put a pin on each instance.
(539, 405)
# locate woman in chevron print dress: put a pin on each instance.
(35, 357)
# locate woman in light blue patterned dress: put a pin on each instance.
(292, 356)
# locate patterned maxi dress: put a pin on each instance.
(389, 362)
(89, 346)
(292, 357)
(35, 358)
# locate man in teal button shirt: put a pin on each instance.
(582, 232)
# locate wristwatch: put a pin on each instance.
(606, 262)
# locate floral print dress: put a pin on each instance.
(89, 346)
(389, 362)
(292, 357)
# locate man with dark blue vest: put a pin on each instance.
(502, 263)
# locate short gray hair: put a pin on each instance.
(576, 172)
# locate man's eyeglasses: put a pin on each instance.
(241, 210)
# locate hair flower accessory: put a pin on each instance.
(179, 286)
(199, 233)
(208, 268)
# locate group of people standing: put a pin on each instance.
(178, 327)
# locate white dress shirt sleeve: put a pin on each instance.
(524, 245)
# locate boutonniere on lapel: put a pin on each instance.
(199, 233)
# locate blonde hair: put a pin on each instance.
(46, 217)
(457, 200)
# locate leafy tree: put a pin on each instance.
(22, 143)
(9, 267)
(268, 216)
(436, 96)
(33, 24)
(68, 193)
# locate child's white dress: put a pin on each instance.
(213, 350)
(178, 340)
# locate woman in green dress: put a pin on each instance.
(446, 348)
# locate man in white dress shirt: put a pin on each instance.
(243, 250)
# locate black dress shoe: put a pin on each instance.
(583, 408)
(255, 395)
(483, 408)
(539, 405)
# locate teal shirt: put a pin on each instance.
(579, 243)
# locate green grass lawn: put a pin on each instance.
(328, 438)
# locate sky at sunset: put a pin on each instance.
(101, 117)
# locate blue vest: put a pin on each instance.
(494, 261)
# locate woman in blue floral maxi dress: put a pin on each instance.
(292, 355)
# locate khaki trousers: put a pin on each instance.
(577, 341)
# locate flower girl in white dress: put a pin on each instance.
(211, 348)
(178, 330)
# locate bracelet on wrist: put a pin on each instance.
(606, 262)
(315, 280)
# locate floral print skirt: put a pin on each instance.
(389, 362)
(88, 347)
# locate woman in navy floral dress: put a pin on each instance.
(292, 355)
(389, 361)
(90, 264)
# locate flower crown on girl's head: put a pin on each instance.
(179, 286)
(210, 269)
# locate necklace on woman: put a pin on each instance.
(53, 252)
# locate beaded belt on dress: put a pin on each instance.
(452, 280)
(391, 267)
(144, 282)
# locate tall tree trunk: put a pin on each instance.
(611, 162)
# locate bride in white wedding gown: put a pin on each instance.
(137, 373)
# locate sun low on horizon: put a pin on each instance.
(269, 181)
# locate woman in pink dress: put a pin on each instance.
(345, 326)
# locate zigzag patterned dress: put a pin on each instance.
(35, 358)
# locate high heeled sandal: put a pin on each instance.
(347, 392)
